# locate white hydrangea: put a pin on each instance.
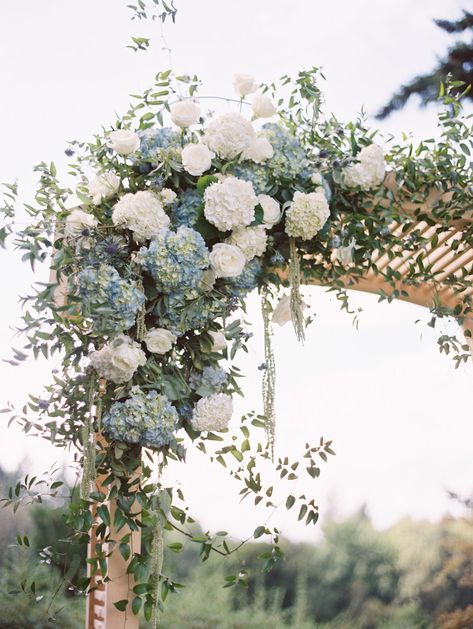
(118, 359)
(103, 187)
(271, 210)
(142, 213)
(370, 170)
(252, 241)
(259, 151)
(213, 412)
(229, 135)
(230, 203)
(77, 221)
(307, 214)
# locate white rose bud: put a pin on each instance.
(185, 113)
(271, 210)
(196, 159)
(159, 340)
(263, 106)
(259, 151)
(219, 341)
(282, 313)
(123, 141)
(244, 84)
(103, 187)
(316, 179)
(207, 281)
(77, 221)
(227, 260)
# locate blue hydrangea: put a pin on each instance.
(175, 259)
(289, 160)
(109, 300)
(185, 209)
(247, 281)
(152, 141)
(256, 173)
(147, 419)
(277, 259)
(212, 378)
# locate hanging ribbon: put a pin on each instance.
(269, 374)
(297, 304)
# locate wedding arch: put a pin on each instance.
(176, 217)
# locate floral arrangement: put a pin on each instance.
(177, 216)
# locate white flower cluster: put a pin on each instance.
(103, 187)
(142, 213)
(213, 412)
(230, 204)
(307, 214)
(229, 135)
(370, 170)
(259, 151)
(251, 241)
(118, 359)
(77, 221)
(159, 340)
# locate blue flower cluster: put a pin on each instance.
(153, 141)
(289, 160)
(148, 419)
(247, 281)
(185, 209)
(109, 300)
(175, 260)
(211, 378)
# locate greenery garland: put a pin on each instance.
(168, 230)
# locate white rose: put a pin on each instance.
(103, 187)
(212, 412)
(196, 159)
(123, 141)
(118, 359)
(227, 260)
(77, 221)
(185, 113)
(263, 106)
(159, 340)
(251, 241)
(219, 342)
(259, 151)
(271, 210)
(230, 203)
(244, 84)
(167, 196)
(229, 135)
(142, 213)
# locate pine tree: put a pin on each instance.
(458, 63)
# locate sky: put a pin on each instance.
(398, 412)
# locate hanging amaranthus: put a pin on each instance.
(269, 374)
(297, 304)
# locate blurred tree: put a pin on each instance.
(458, 62)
